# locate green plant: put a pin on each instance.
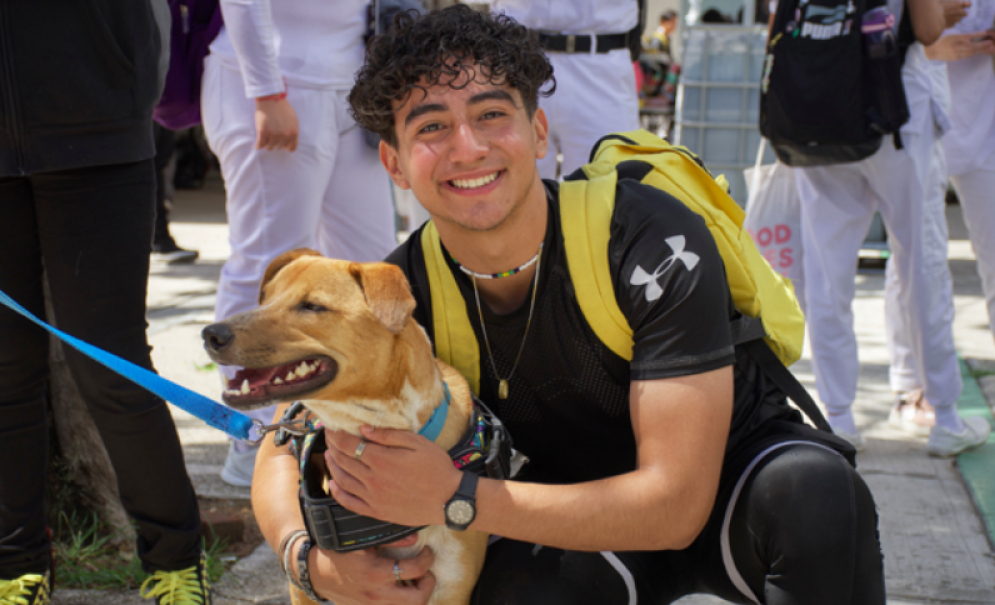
(977, 373)
(207, 367)
(86, 558)
(217, 563)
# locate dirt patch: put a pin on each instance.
(225, 512)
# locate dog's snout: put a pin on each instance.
(217, 336)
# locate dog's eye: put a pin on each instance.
(310, 306)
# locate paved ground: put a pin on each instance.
(937, 548)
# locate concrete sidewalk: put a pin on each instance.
(937, 548)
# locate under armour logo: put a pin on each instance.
(653, 290)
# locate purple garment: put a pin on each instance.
(195, 25)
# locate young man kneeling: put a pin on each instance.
(681, 471)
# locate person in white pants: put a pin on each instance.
(595, 88)
(838, 204)
(297, 171)
(968, 48)
(912, 412)
(970, 163)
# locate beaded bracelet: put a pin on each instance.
(284, 553)
(304, 576)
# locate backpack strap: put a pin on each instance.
(455, 340)
(586, 207)
(782, 377)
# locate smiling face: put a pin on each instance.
(468, 153)
(335, 334)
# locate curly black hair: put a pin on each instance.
(439, 48)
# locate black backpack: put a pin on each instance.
(824, 98)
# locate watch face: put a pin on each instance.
(460, 512)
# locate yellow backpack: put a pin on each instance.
(586, 206)
(586, 209)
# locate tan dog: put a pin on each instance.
(339, 337)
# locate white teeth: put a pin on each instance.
(290, 376)
(245, 387)
(233, 392)
(277, 380)
(474, 183)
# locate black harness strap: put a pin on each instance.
(484, 449)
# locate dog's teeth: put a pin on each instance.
(245, 387)
(302, 370)
(290, 376)
(277, 380)
(233, 392)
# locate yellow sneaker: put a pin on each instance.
(29, 589)
(184, 587)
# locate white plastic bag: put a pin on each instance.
(773, 216)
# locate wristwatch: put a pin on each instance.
(461, 509)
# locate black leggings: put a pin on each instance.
(91, 230)
(804, 530)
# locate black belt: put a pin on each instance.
(581, 43)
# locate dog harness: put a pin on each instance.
(484, 449)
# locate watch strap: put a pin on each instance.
(467, 486)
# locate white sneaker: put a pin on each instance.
(239, 466)
(855, 439)
(944, 442)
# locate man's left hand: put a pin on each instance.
(955, 47)
(400, 477)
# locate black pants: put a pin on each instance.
(803, 531)
(91, 229)
(165, 145)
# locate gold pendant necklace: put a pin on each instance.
(503, 382)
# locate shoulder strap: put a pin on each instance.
(455, 340)
(906, 35)
(786, 381)
(586, 207)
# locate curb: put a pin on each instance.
(976, 465)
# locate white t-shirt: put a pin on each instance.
(970, 145)
(572, 16)
(311, 43)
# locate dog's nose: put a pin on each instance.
(217, 336)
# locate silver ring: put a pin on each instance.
(359, 449)
(398, 571)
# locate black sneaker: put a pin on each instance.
(169, 253)
(184, 587)
(29, 589)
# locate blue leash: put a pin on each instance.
(213, 413)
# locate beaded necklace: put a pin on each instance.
(508, 273)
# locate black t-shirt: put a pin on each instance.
(568, 408)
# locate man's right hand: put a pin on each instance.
(276, 125)
(363, 577)
(954, 11)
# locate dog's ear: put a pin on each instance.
(387, 292)
(279, 263)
